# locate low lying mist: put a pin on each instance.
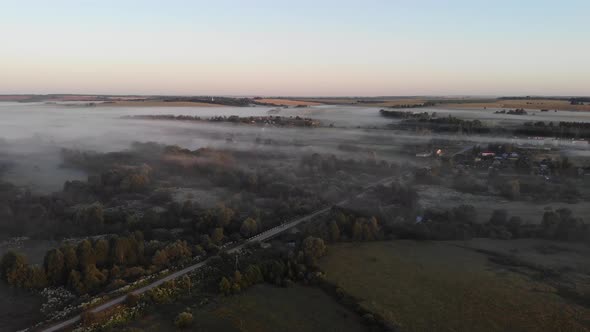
(32, 134)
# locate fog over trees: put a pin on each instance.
(128, 195)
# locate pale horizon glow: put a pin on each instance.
(310, 48)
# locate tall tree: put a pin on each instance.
(249, 228)
(101, 252)
(54, 263)
(85, 254)
(223, 215)
(90, 217)
(35, 278)
(160, 258)
(120, 250)
(334, 231)
(225, 286)
(13, 268)
(313, 248)
(70, 258)
(93, 278)
(217, 235)
(357, 231)
(75, 282)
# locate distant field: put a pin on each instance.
(288, 102)
(445, 102)
(561, 105)
(155, 103)
(14, 97)
(331, 101)
(262, 308)
(375, 102)
(399, 102)
(433, 286)
(462, 103)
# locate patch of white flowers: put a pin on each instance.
(120, 317)
(55, 298)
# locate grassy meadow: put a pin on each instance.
(429, 286)
(262, 308)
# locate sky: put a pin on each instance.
(295, 48)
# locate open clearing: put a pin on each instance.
(438, 286)
(262, 308)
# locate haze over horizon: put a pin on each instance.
(334, 48)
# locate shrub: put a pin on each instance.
(183, 320)
(160, 295)
(116, 284)
(225, 286)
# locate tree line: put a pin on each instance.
(94, 265)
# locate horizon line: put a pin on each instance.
(296, 96)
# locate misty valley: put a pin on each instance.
(372, 215)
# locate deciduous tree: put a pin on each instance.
(249, 228)
(225, 286)
(313, 248)
(55, 267)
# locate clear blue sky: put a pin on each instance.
(296, 47)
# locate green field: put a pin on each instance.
(260, 308)
(437, 286)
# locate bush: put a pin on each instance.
(225, 286)
(133, 273)
(160, 295)
(183, 320)
(116, 284)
